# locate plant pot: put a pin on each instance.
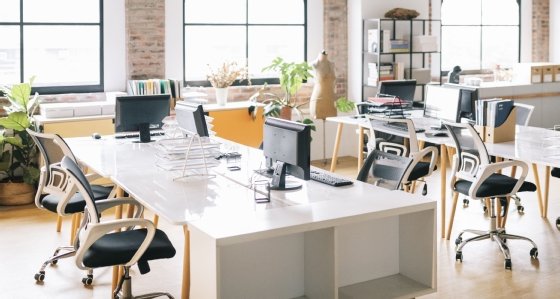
(221, 96)
(15, 194)
(286, 113)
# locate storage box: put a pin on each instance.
(422, 75)
(503, 133)
(87, 109)
(424, 43)
(556, 69)
(56, 110)
(547, 73)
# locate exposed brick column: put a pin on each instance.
(540, 31)
(145, 39)
(335, 39)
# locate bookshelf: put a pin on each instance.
(399, 49)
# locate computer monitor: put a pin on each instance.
(288, 145)
(442, 102)
(469, 96)
(141, 113)
(190, 117)
(403, 89)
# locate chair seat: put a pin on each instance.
(496, 184)
(421, 169)
(76, 204)
(118, 248)
(555, 172)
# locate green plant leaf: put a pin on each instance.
(15, 141)
(5, 161)
(308, 121)
(18, 121)
(344, 105)
(30, 175)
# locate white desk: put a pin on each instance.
(318, 242)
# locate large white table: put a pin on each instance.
(317, 242)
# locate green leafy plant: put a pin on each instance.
(18, 160)
(344, 105)
(291, 75)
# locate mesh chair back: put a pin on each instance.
(393, 147)
(523, 113)
(52, 147)
(80, 180)
(384, 169)
(470, 148)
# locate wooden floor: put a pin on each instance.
(27, 237)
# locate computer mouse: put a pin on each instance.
(440, 134)
(96, 136)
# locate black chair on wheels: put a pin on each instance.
(473, 175)
(101, 244)
(555, 172)
(54, 194)
(383, 169)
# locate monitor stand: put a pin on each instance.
(144, 129)
(279, 182)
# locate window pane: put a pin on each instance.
(212, 45)
(500, 12)
(460, 46)
(500, 46)
(268, 42)
(460, 12)
(9, 55)
(215, 11)
(9, 11)
(275, 12)
(62, 55)
(58, 11)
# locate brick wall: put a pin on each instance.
(540, 40)
(335, 36)
(145, 39)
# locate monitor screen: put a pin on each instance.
(403, 89)
(469, 96)
(442, 102)
(288, 145)
(190, 117)
(133, 111)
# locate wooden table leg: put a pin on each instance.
(118, 215)
(58, 223)
(360, 147)
(443, 182)
(546, 187)
(538, 183)
(336, 145)
(186, 284)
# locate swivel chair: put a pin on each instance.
(473, 175)
(54, 194)
(99, 245)
(555, 172)
(419, 169)
(384, 169)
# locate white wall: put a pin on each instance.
(527, 28)
(114, 54)
(554, 23)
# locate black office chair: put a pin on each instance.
(555, 172)
(473, 175)
(54, 194)
(99, 245)
(384, 169)
(419, 168)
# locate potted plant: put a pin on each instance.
(223, 77)
(291, 78)
(19, 170)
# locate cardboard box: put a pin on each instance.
(422, 75)
(547, 73)
(56, 110)
(424, 43)
(556, 69)
(87, 109)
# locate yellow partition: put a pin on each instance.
(238, 125)
(80, 127)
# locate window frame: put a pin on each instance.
(247, 25)
(482, 26)
(54, 89)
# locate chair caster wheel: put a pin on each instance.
(465, 202)
(534, 253)
(507, 264)
(39, 277)
(87, 281)
(458, 241)
(558, 221)
(54, 262)
(459, 256)
(425, 190)
(484, 209)
(520, 209)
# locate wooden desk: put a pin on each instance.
(318, 242)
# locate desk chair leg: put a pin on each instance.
(452, 217)
(499, 208)
(546, 190)
(539, 190)
(53, 260)
(58, 223)
(506, 208)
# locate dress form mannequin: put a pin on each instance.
(322, 98)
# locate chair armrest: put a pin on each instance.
(423, 153)
(105, 204)
(97, 230)
(487, 170)
(92, 176)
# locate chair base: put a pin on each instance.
(124, 289)
(69, 251)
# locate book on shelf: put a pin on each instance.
(492, 112)
(399, 45)
(155, 86)
(372, 40)
(385, 101)
(398, 70)
(385, 41)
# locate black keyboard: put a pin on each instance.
(137, 135)
(401, 127)
(329, 179)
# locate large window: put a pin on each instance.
(249, 32)
(57, 41)
(480, 34)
